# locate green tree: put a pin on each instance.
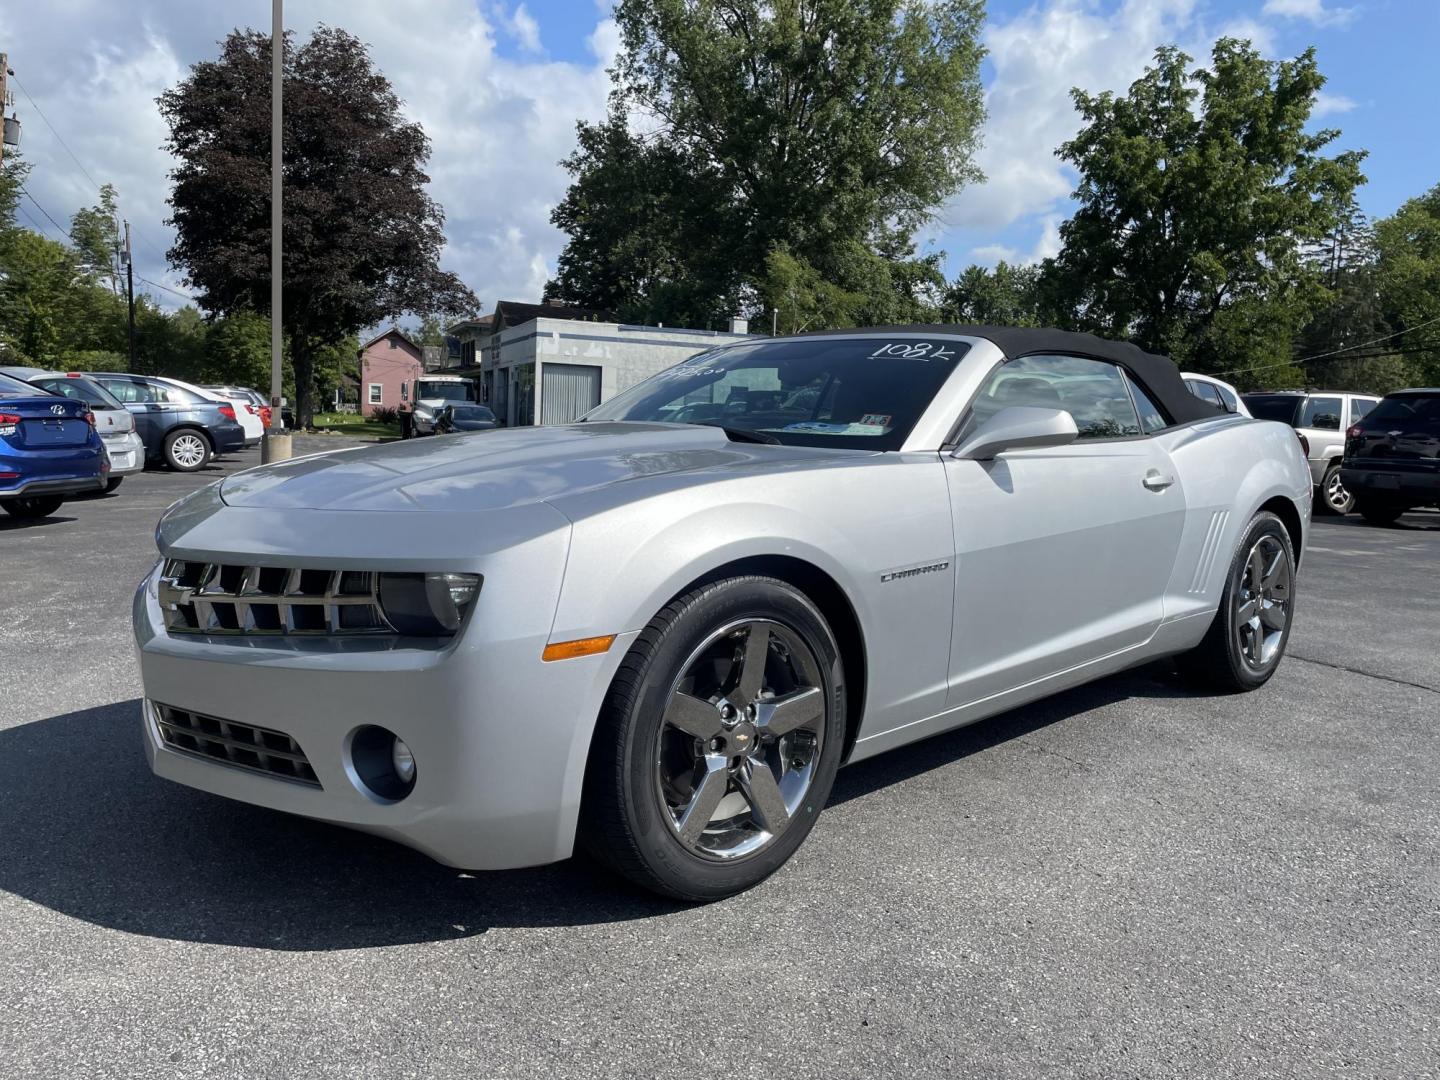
(1408, 278)
(1199, 192)
(95, 232)
(1008, 295)
(362, 236)
(815, 128)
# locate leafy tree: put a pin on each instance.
(1408, 278)
(42, 296)
(362, 238)
(1199, 191)
(1008, 295)
(816, 128)
(95, 232)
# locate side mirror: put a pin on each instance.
(1017, 428)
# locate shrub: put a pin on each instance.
(383, 414)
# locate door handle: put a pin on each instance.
(1157, 482)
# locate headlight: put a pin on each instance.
(427, 605)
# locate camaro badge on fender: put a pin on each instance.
(913, 571)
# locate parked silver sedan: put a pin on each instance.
(659, 638)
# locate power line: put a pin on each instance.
(177, 292)
(63, 231)
(1337, 352)
(51, 126)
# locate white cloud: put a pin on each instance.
(524, 29)
(1038, 56)
(497, 125)
(1327, 104)
(1313, 11)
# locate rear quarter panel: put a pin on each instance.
(1229, 467)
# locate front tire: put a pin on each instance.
(32, 507)
(1247, 640)
(1333, 495)
(718, 741)
(187, 450)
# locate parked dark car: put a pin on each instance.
(180, 428)
(464, 418)
(49, 450)
(1392, 456)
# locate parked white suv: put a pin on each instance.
(1215, 391)
(1321, 418)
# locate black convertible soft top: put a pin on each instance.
(1157, 374)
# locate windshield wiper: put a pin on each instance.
(740, 434)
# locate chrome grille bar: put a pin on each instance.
(232, 598)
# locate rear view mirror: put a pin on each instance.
(1016, 428)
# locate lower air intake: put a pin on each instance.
(255, 748)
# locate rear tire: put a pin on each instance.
(187, 450)
(32, 507)
(718, 742)
(1247, 640)
(1380, 513)
(1333, 496)
(113, 483)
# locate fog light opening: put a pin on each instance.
(381, 763)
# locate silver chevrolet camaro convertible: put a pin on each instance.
(659, 631)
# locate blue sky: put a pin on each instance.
(499, 86)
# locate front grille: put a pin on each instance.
(231, 598)
(256, 748)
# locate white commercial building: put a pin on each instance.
(551, 370)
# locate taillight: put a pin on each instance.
(265, 416)
(90, 418)
(1354, 432)
(7, 423)
(1304, 444)
(227, 411)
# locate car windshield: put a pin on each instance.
(1280, 407)
(80, 388)
(447, 391)
(471, 412)
(1411, 413)
(865, 393)
(12, 388)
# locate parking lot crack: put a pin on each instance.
(1362, 671)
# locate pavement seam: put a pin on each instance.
(1361, 671)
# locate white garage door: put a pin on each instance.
(567, 391)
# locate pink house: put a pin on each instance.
(387, 363)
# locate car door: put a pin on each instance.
(1320, 422)
(1062, 554)
(135, 394)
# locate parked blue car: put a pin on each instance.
(49, 449)
(179, 427)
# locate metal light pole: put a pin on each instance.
(276, 444)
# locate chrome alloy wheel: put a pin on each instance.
(189, 451)
(1262, 602)
(1336, 497)
(741, 739)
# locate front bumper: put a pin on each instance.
(499, 737)
(126, 452)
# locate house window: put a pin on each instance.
(376, 393)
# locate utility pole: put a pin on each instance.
(9, 124)
(130, 291)
(276, 444)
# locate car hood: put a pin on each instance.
(494, 469)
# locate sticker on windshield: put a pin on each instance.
(915, 350)
(823, 427)
(875, 419)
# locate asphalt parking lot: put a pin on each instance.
(1127, 880)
